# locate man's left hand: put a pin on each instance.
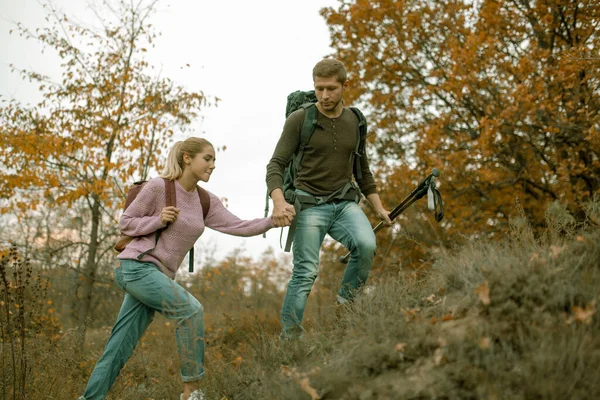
(384, 215)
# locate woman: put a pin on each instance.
(148, 282)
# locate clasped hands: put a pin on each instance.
(283, 214)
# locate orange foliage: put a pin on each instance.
(105, 121)
(501, 96)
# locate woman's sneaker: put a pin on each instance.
(195, 395)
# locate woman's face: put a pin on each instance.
(203, 164)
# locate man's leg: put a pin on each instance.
(311, 228)
(352, 228)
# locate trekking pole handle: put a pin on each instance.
(416, 194)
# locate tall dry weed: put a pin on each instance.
(26, 319)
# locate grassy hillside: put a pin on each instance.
(515, 320)
(510, 320)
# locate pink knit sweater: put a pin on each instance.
(142, 220)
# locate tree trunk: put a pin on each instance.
(84, 301)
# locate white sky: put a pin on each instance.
(249, 53)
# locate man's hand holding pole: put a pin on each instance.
(426, 187)
(382, 213)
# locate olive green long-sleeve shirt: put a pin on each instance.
(327, 162)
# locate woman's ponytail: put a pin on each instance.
(173, 168)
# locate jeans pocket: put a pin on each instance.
(119, 277)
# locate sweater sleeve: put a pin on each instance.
(284, 150)
(367, 184)
(142, 217)
(222, 220)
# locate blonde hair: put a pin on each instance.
(191, 147)
(328, 67)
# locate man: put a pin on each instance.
(326, 167)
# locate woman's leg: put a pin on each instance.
(132, 322)
(153, 291)
(152, 287)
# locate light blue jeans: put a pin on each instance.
(148, 290)
(345, 222)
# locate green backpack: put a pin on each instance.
(307, 100)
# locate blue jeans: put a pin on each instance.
(345, 222)
(149, 290)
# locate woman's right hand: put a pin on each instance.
(169, 214)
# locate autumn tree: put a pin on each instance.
(107, 120)
(502, 96)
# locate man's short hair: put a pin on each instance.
(329, 67)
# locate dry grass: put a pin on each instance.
(511, 320)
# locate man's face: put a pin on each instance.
(329, 92)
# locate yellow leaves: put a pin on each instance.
(400, 347)
(410, 314)
(439, 357)
(553, 253)
(445, 317)
(433, 299)
(536, 259)
(556, 250)
(485, 343)
(522, 94)
(237, 362)
(483, 293)
(305, 385)
(303, 379)
(582, 315)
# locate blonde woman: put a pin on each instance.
(148, 281)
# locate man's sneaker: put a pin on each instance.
(195, 395)
(341, 300)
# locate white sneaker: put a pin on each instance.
(341, 300)
(195, 395)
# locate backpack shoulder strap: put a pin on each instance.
(310, 121)
(360, 144)
(204, 201)
(308, 127)
(362, 127)
(170, 193)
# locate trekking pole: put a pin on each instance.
(425, 187)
